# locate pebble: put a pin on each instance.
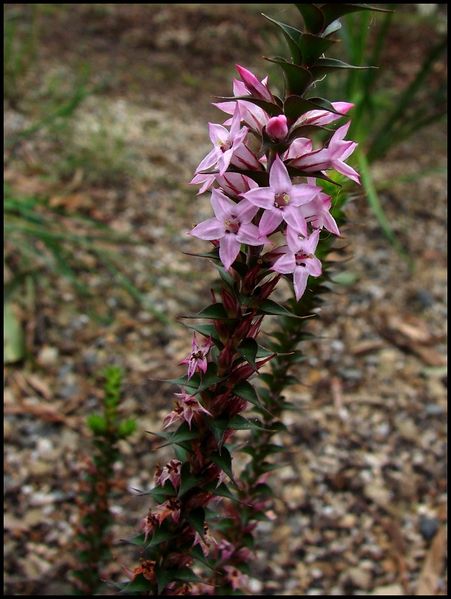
(359, 577)
(428, 527)
(48, 356)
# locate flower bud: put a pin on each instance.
(277, 127)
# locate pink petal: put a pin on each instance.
(246, 211)
(239, 88)
(224, 161)
(209, 229)
(229, 248)
(300, 281)
(253, 84)
(303, 193)
(218, 133)
(222, 206)
(340, 133)
(279, 179)
(299, 147)
(210, 159)
(347, 171)
(309, 245)
(294, 218)
(294, 239)
(227, 107)
(285, 264)
(245, 159)
(206, 180)
(313, 266)
(249, 234)
(330, 224)
(269, 222)
(263, 197)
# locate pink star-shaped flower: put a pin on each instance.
(299, 259)
(281, 200)
(231, 226)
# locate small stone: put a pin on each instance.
(48, 356)
(360, 578)
(428, 527)
(389, 589)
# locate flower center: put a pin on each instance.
(301, 257)
(232, 225)
(281, 200)
(225, 145)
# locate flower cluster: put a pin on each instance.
(248, 212)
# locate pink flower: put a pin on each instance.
(170, 472)
(197, 359)
(225, 144)
(277, 127)
(332, 157)
(324, 117)
(234, 184)
(185, 410)
(205, 541)
(317, 212)
(256, 88)
(251, 114)
(281, 200)
(231, 226)
(300, 260)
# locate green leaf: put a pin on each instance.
(97, 423)
(295, 106)
(248, 348)
(313, 46)
(293, 37)
(214, 311)
(246, 391)
(160, 494)
(326, 65)
(138, 585)
(160, 535)
(127, 427)
(197, 520)
(345, 277)
(273, 308)
(13, 336)
(224, 461)
(187, 480)
(334, 11)
(313, 17)
(222, 490)
(297, 78)
(208, 330)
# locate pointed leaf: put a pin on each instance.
(336, 10)
(312, 46)
(214, 311)
(197, 520)
(297, 78)
(293, 37)
(313, 17)
(295, 106)
(248, 348)
(326, 65)
(224, 461)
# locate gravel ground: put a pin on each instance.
(362, 502)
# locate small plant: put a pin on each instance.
(273, 174)
(93, 538)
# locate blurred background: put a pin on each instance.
(106, 111)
